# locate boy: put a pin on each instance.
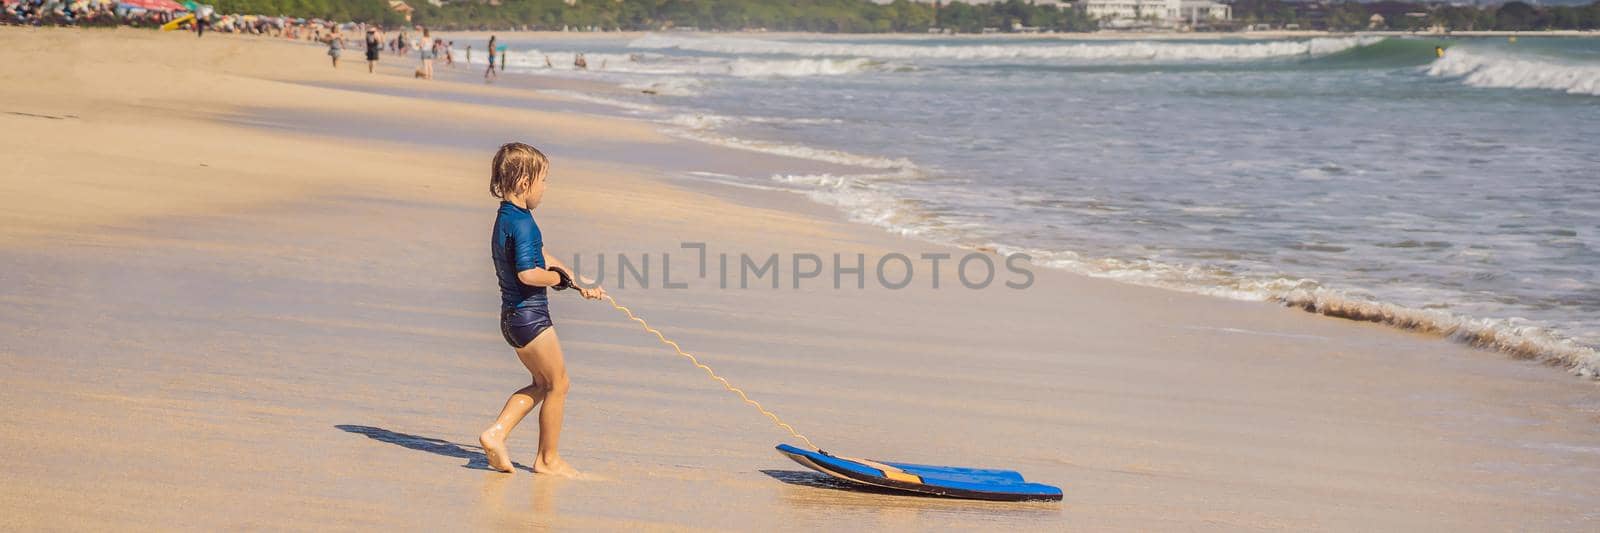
(525, 270)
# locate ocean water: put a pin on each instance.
(1361, 177)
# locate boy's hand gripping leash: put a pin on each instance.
(566, 280)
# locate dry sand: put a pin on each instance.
(239, 289)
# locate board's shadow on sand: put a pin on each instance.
(842, 493)
(823, 481)
(473, 454)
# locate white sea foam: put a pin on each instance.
(534, 61)
(750, 68)
(731, 181)
(698, 121)
(791, 120)
(711, 121)
(863, 202)
(667, 86)
(1503, 70)
(794, 150)
(1123, 50)
(620, 104)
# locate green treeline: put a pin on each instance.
(857, 16)
(852, 16)
(1347, 16)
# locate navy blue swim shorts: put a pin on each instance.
(523, 324)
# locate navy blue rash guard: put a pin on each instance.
(516, 246)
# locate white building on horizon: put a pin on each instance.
(1196, 11)
(1065, 4)
(1129, 12)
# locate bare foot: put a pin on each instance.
(494, 447)
(554, 466)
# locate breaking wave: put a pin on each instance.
(1505, 71)
(1123, 50)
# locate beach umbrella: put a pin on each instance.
(190, 6)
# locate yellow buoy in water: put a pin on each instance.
(1438, 51)
(1512, 39)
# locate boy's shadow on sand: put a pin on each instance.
(473, 454)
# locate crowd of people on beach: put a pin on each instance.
(418, 39)
(376, 40)
(55, 13)
(98, 13)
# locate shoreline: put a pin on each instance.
(1495, 334)
(253, 334)
(1084, 36)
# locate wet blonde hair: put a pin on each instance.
(516, 166)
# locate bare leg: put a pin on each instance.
(543, 357)
(517, 407)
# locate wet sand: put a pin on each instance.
(243, 290)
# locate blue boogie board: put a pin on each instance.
(948, 481)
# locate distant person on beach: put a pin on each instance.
(469, 54)
(489, 74)
(579, 62)
(449, 52)
(525, 270)
(374, 45)
(425, 51)
(335, 45)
